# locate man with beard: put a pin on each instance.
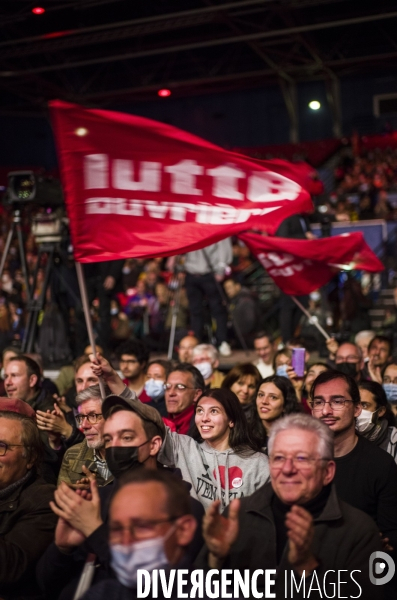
(366, 476)
(133, 434)
(90, 453)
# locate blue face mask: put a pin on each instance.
(154, 388)
(281, 371)
(390, 391)
(146, 554)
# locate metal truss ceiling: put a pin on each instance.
(108, 52)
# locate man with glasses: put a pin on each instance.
(296, 524)
(133, 434)
(90, 453)
(349, 360)
(26, 523)
(133, 359)
(184, 386)
(366, 476)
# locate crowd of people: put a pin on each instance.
(161, 464)
(365, 186)
(126, 460)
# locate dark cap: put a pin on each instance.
(147, 413)
(17, 406)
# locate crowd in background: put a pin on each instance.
(282, 458)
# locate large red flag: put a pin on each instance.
(301, 266)
(135, 187)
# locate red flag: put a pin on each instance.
(135, 187)
(299, 267)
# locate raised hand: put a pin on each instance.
(220, 532)
(102, 368)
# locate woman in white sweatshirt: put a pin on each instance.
(227, 463)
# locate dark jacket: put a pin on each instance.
(58, 574)
(27, 526)
(344, 538)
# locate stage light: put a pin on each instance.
(38, 10)
(314, 105)
(164, 93)
(81, 131)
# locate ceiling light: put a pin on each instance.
(314, 105)
(38, 10)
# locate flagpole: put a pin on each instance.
(311, 320)
(87, 315)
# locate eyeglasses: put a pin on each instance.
(178, 386)
(138, 528)
(4, 447)
(334, 403)
(91, 418)
(128, 361)
(300, 462)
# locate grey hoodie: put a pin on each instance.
(214, 475)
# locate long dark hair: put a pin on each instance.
(241, 439)
(380, 398)
(291, 403)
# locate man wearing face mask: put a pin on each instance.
(156, 376)
(150, 527)
(377, 421)
(389, 383)
(349, 360)
(366, 476)
(133, 435)
(205, 358)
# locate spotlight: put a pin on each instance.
(164, 93)
(314, 105)
(38, 10)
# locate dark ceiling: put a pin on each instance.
(111, 52)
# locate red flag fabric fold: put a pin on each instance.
(299, 267)
(135, 187)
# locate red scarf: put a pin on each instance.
(182, 420)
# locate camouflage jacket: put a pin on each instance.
(73, 461)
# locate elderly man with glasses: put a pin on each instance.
(366, 476)
(26, 522)
(296, 524)
(90, 453)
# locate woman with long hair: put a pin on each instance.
(376, 421)
(226, 463)
(275, 398)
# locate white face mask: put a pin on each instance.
(154, 388)
(205, 369)
(364, 421)
(145, 554)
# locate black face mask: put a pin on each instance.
(347, 369)
(121, 459)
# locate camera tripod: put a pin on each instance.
(16, 227)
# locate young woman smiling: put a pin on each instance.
(275, 398)
(227, 463)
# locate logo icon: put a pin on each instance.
(377, 566)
